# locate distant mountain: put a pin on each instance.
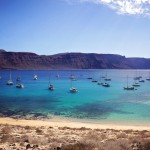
(26, 60)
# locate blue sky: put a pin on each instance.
(55, 26)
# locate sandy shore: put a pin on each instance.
(71, 124)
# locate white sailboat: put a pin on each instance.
(148, 79)
(107, 79)
(10, 82)
(51, 87)
(136, 84)
(35, 77)
(106, 84)
(73, 89)
(128, 87)
(18, 83)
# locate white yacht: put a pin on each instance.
(35, 77)
(51, 87)
(18, 83)
(127, 87)
(73, 90)
(10, 82)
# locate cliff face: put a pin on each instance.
(23, 60)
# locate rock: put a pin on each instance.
(26, 140)
(35, 146)
(28, 146)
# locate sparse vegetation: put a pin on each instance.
(66, 138)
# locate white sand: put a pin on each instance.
(72, 124)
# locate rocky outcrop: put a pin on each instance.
(25, 60)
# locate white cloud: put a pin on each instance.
(131, 7)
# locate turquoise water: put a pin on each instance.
(92, 102)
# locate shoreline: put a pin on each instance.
(70, 124)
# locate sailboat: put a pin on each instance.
(148, 79)
(141, 80)
(106, 84)
(51, 87)
(73, 89)
(136, 84)
(89, 76)
(57, 75)
(10, 82)
(18, 83)
(128, 87)
(100, 83)
(107, 79)
(35, 77)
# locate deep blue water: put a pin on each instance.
(92, 102)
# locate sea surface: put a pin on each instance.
(92, 102)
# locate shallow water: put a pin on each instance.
(92, 102)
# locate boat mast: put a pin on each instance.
(10, 74)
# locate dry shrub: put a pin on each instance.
(64, 128)
(27, 127)
(6, 130)
(92, 139)
(144, 134)
(128, 131)
(83, 128)
(122, 135)
(50, 127)
(78, 146)
(38, 140)
(120, 144)
(98, 130)
(24, 138)
(39, 131)
(146, 146)
(8, 138)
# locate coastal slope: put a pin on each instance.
(27, 60)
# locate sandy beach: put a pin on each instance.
(71, 124)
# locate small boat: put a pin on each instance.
(94, 81)
(148, 79)
(136, 84)
(128, 87)
(89, 78)
(51, 87)
(137, 78)
(106, 85)
(74, 79)
(18, 83)
(35, 77)
(107, 79)
(73, 90)
(71, 76)
(10, 82)
(100, 83)
(19, 86)
(141, 80)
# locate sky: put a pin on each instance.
(48, 27)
